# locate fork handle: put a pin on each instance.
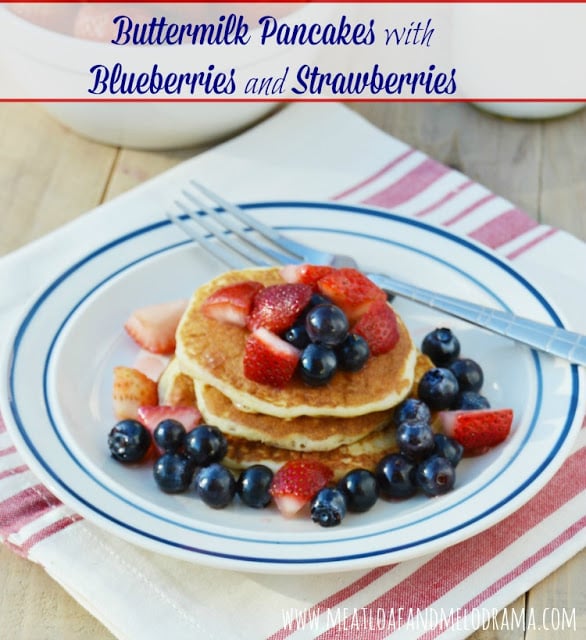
(553, 340)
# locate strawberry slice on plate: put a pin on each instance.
(132, 389)
(378, 326)
(350, 290)
(232, 304)
(268, 359)
(153, 327)
(296, 482)
(152, 415)
(277, 306)
(305, 273)
(477, 429)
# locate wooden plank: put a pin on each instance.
(48, 174)
(133, 167)
(558, 604)
(563, 175)
(34, 607)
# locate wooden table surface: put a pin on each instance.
(49, 175)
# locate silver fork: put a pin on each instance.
(241, 241)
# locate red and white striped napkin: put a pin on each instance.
(308, 152)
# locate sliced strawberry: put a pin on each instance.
(152, 415)
(153, 327)
(350, 290)
(378, 326)
(151, 364)
(305, 273)
(232, 304)
(296, 482)
(278, 306)
(477, 429)
(131, 389)
(268, 359)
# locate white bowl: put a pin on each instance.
(43, 63)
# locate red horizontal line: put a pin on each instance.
(280, 100)
(323, 2)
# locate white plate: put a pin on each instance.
(58, 408)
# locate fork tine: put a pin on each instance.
(225, 222)
(223, 237)
(297, 250)
(216, 250)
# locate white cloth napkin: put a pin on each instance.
(308, 152)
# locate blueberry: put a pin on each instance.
(396, 476)
(297, 336)
(468, 374)
(438, 388)
(215, 485)
(353, 353)
(169, 434)
(253, 486)
(328, 507)
(318, 298)
(467, 400)
(435, 475)
(411, 409)
(415, 439)
(448, 448)
(360, 489)
(441, 346)
(173, 472)
(317, 364)
(205, 444)
(327, 324)
(129, 441)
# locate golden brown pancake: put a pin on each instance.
(211, 352)
(303, 433)
(308, 433)
(177, 389)
(365, 453)
(174, 388)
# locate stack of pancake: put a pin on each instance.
(345, 424)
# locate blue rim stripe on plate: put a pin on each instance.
(326, 206)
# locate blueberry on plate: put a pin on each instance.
(205, 444)
(441, 346)
(435, 475)
(360, 489)
(467, 400)
(215, 485)
(411, 409)
(169, 434)
(128, 441)
(328, 507)
(396, 476)
(415, 439)
(253, 486)
(317, 364)
(468, 373)
(353, 353)
(438, 388)
(448, 448)
(326, 324)
(173, 472)
(297, 336)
